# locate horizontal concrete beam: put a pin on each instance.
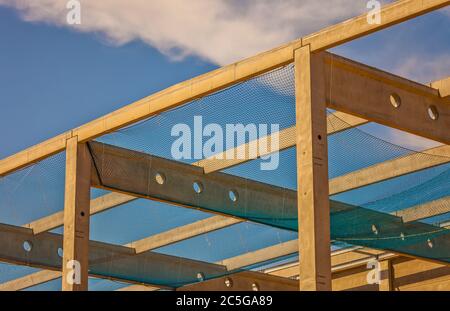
(129, 172)
(342, 260)
(357, 27)
(345, 261)
(137, 288)
(98, 205)
(30, 280)
(244, 281)
(397, 167)
(182, 233)
(336, 123)
(426, 210)
(381, 97)
(339, 260)
(261, 255)
(376, 173)
(443, 86)
(119, 260)
(407, 274)
(105, 260)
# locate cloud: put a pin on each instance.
(220, 31)
(424, 69)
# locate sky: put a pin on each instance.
(55, 76)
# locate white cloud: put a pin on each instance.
(424, 69)
(221, 31)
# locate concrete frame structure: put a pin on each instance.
(318, 269)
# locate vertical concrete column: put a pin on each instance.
(386, 275)
(312, 172)
(76, 216)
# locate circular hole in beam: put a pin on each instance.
(200, 277)
(160, 178)
(255, 287)
(27, 246)
(198, 187)
(395, 100)
(433, 113)
(375, 229)
(228, 282)
(233, 195)
(60, 252)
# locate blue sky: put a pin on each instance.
(54, 78)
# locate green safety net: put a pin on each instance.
(366, 216)
(270, 98)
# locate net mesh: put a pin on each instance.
(366, 214)
(33, 192)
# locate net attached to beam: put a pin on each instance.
(386, 210)
(9, 272)
(94, 284)
(139, 161)
(361, 214)
(27, 195)
(264, 100)
(33, 192)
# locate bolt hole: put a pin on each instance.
(395, 100)
(27, 246)
(228, 282)
(374, 229)
(433, 113)
(233, 195)
(319, 137)
(160, 178)
(255, 287)
(60, 252)
(430, 243)
(198, 187)
(82, 214)
(200, 277)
